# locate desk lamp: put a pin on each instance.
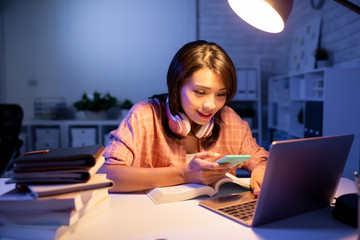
(266, 15)
(271, 15)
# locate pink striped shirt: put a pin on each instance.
(141, 140)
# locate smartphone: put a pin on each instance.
(233, 159)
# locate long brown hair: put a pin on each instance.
(190, 58)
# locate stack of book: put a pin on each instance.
(55, 193)
(60, 165)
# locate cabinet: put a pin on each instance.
(68, 133)
(321, 102)
(45, 137)
(247, 100)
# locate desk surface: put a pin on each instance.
(135, 216)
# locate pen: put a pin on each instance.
(37, 152)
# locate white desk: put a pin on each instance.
(135, 216)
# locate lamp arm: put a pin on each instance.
(349, 5)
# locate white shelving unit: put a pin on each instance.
(68, 133)
(248, 98)
(321, 102)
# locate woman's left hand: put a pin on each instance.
(256, 179)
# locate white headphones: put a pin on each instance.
(180, 124)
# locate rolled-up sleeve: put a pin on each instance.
(123, 145)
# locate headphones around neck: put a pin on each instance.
(180, 124)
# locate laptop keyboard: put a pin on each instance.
(243, 211)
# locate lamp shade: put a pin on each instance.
(267, 15)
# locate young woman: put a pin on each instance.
(175, 138)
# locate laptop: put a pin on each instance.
(302, 175)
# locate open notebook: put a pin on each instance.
(301, 175)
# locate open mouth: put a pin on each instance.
(205, 116)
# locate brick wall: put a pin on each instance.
(340, 33)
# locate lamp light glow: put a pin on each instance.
(266, 15)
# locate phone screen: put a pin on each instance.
(234, 159)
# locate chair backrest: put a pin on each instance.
(11, 116)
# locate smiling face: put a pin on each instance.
(202, 95)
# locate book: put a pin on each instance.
(95, 182)
(56, 232)
(17, 201)
(44, 175)
(60, 157)
(192, 190)
(59, 165)
(44, 217)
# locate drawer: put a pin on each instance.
(83, 134)
(45, 144)
(47, 133)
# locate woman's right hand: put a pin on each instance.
(203, 169)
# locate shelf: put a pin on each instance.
(297, 88)
(322, 102)
(296, 118)
(247, 100)
(67, 133)
(289, 114)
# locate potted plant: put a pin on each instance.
(125, 107)
(96, 105)
(322, 57)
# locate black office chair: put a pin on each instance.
(11, 116)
